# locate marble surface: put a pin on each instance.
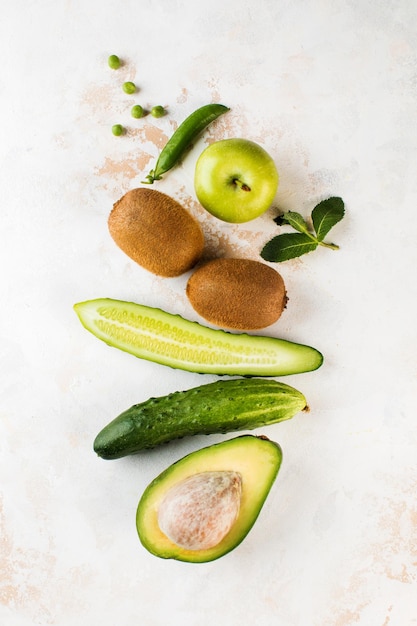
(329, 88)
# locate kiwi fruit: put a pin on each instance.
(239, 294)
(156, 231)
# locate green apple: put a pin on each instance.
(235, 180)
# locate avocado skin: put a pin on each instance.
(256, 458)
(219, 407)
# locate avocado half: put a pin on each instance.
(236, 474)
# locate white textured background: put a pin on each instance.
(329, 88)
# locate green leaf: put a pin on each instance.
(326, 214)
(287, 246)
(296, 221)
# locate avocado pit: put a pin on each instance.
(198, 512)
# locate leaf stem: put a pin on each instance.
(332, 246)
(312, 237)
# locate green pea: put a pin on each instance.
(114, 62)
(137, 111)
(117, 129)
(129, 87)
(182, 138)
(158, 111)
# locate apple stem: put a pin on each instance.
(242, 186)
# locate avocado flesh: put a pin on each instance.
(256, 459)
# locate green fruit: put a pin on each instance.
(137, 111)
(158, 111)
(171, 340)
(113, 62)
(219, 407)
(129, 87)
(204, 505)
(235, 180)
(117, 130)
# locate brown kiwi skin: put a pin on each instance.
(156, 231)
(237, 294)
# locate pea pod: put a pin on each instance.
(182, 138)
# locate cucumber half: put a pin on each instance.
(155, 335)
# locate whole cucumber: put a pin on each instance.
(219, 407)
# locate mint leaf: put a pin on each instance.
(287, 246)
(296, 221)
(279, 220)
(326, 214)
(291, 245)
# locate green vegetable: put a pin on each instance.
(114, 62)
(204, 505)
(117, 130)
(137, 111)
(182, 139)
(129, 87)
(158, 111)
(219, 407)
(290, 245)
(171, 340)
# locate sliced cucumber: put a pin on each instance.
(152, 334)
